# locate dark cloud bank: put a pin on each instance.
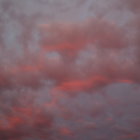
(69, 70)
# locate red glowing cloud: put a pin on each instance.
(69, 70)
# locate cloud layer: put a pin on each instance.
(69, 70)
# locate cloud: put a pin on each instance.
(69, 70)
(24, 122)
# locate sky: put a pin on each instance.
(69, 70)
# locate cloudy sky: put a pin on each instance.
(69, 70)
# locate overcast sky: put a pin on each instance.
(69, 70)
